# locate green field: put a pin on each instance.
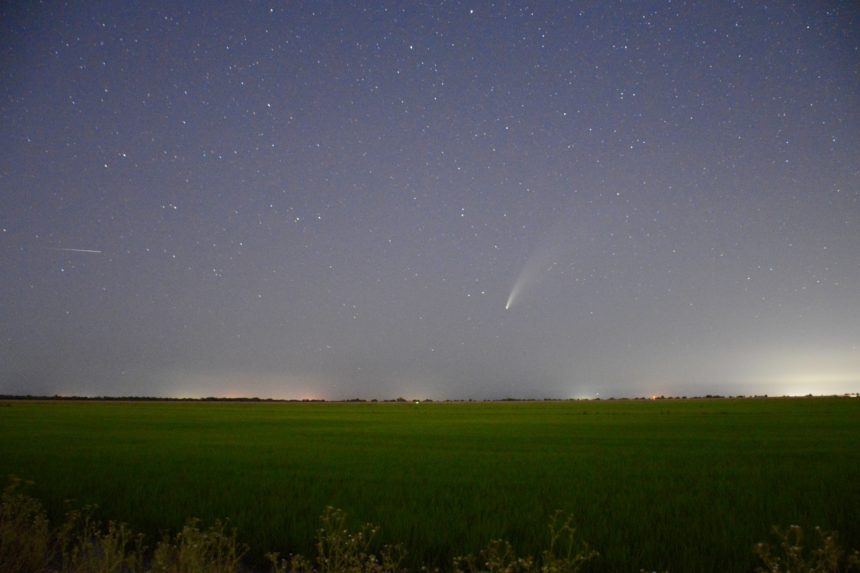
(684, 485)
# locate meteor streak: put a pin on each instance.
(71, 250)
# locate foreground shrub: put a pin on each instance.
(88, 546)
(340, 550)
(192, 550)
(790, 555)
(566, 553)
(25, 535)
(83, 544)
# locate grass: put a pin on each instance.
(678, 485)
(82, 544)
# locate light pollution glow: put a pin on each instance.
(190, 384)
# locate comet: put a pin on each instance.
(533, 271)
(553, 246)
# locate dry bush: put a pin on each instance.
(789, 555)
(25, 533)
(196, 550)
(87, 546)
(498, 557)
(566, 553)
(82, 544)
(340, 550)
(293, 564)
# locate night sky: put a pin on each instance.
(445, 200)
